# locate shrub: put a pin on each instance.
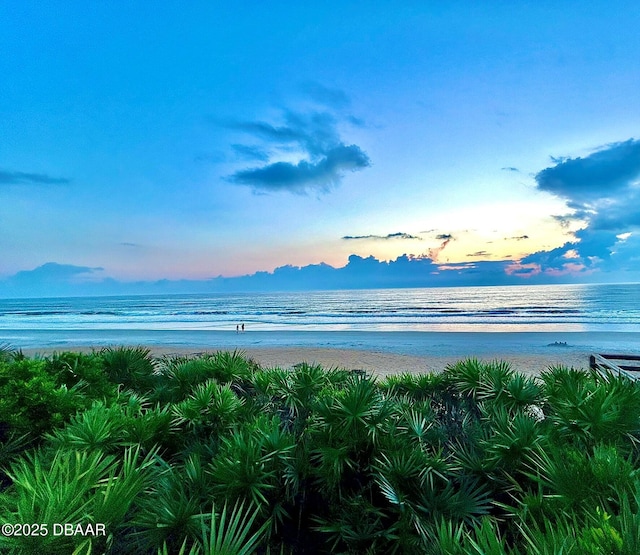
(132, 367)
(30, 399)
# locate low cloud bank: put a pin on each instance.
(57, 280)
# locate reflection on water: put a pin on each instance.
(555, 308)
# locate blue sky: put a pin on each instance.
(460, 142)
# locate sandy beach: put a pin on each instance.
(374, 362)
(380, 353)
(383, 364)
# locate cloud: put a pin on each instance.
(300, 177)
(54, 271)
(24, 178)
(50, 279)
(510, 169)
(250, 152)
(334, 98)
(260, 129)
(369, 272)
(312, 137)
(478, 253)
(408, 270)
(398, 235)
(519, 238)
(434, 252)
(525, 270)
(314, 132)
(602, 191)
(603, 174)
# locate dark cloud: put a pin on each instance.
(314, 136)
(519, 238)
(620, 214)
(53, 270)
(25, 178)
(250, 152)
(62, 280)
(50, 279)
(398, 235)
(602, 191)
(603, 174)
(334, 98)
(444, 237)
(300, 177)
(510, 169)
(478, 253)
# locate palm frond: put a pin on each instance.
(231, 532)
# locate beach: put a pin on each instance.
(377, 353)
(376, 363)
(379, 331)
(383, 364)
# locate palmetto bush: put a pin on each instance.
(132, 367)
(349, 425)
(509, 441)
(181, 374)
(292, 395)
(85, 372)
(71, 486)
(98, 428)
(131, 422)
(418, 387)
(214, 455)
(31, 399)
(581, 479)
(230, 532)
(171, 512)
(493, 382)
(211, 408)
(232, 366)
(8, 353)
(254, 465)
(585, 409)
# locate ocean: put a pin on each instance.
(302, 318)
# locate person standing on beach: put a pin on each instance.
(242, 327)
(237, 328)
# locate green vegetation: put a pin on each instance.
(213, 454)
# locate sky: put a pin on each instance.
(181, 146)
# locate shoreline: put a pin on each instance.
(380, 353)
